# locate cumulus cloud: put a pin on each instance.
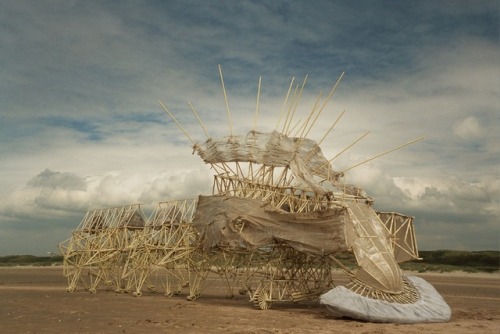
(467, 128)
(81, 127)
(450, 194)
(54, 180)
(66, 193)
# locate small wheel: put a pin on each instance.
(262, 300)
(92, 290)
(137, 293)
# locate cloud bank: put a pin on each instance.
(81, 128)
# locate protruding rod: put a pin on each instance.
(348, 147)
(199, 120)
(290, 108)
(333, 89)
(326, 101)
(225, 98)
(257, 105)
(326, 134)
(175, 120)
(303, 127)
(345, 149)
(331, 127)
(293, 127)
(384, 153)
(284, 103)
(297, 103)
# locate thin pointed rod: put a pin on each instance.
(331, 127)
(293, 127)
(338, 154)
(326, 101)
(290, 108)
(326, 134)
(297, 102)
(257, 106)
(284, 103)
(199, 120)
(178, 124)
(225, 99)
(348, 147)
(384, 153)
(313, 110)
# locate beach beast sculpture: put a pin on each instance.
(274, 226)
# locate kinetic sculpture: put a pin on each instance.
(273, 227)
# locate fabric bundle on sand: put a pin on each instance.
(430, 307)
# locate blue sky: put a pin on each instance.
(81, 128)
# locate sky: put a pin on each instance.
(81, 127)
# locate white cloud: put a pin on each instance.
(459, 196)
(467, 128)
(62, 193)
(80, 126)
(416, 188)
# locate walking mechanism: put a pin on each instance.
(278, 217)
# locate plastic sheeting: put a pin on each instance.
(241, 222)
(303, 156)
(234, 222)
(371, 244)
(430, 307)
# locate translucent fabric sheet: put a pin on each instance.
(303, 156)
(240, 222)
